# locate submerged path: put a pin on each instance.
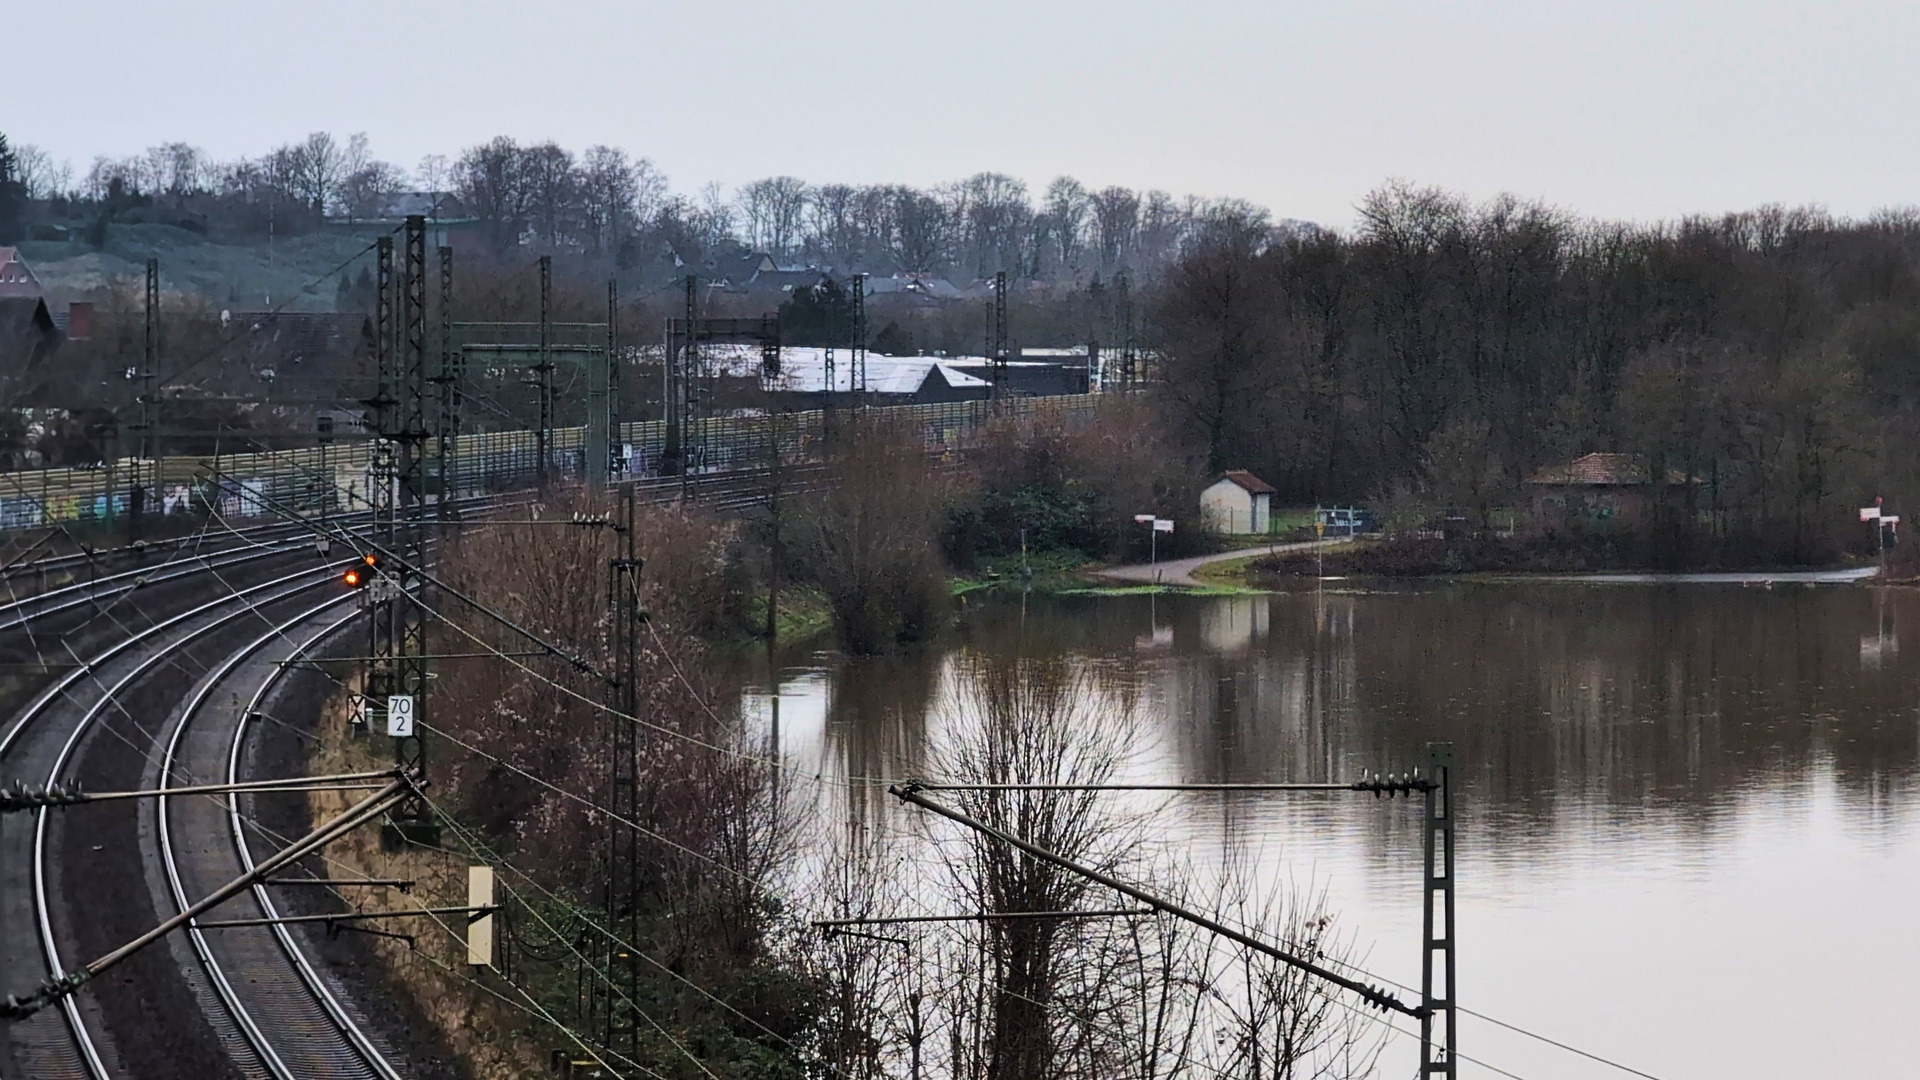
(1744, 577)
(1180, 571)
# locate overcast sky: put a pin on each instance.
(1635, 108)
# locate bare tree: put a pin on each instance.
(490, 180)
(993, 209)
(319, 163)
(712, 216)
(1116, 223)
(833, 225)
(1277, 1020)
(38, 173)
(1067, 206)
(367, 187)
(773, 210)
(1028, 721)
(920, 229)
(553, 192)
(608, 197)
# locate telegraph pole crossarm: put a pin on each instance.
(983, 916)
(14, 1007)
(471, 913)
(1389, 785)
(1372, 995)
(21, 797)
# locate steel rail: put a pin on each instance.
(335, 1012)
(69, 1008)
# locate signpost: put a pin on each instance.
(1883, 523)
(1156, 526)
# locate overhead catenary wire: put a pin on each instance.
(849, 781)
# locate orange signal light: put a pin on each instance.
(353, 578)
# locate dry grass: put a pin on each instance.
(493, 1040)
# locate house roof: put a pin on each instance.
(1600, 470)
(1247, 481)
(442, 205)
(27, 332)
(784, 280)
(15, 278)
(803, 369)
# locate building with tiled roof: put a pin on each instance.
(1598, 488)
(1238, 502)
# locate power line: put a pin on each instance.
(632, 947)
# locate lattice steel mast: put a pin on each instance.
(543, 442)
(446, 380)
(409, 530)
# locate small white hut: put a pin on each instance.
(1238, 502)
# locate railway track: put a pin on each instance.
(87, 889)
(295, 1023)
(154, 698)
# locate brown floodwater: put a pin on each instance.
(1689, 815)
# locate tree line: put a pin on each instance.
(1760, 365)
(603, 202)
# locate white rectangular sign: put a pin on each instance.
(479, 927)
(1890, 519)
(400, 716)
(1162, 525)
(1868, 513)
(1142, 519)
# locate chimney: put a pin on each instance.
(79, 321)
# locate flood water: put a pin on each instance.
(1689, 816)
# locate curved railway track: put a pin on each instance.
(86, 723)
(144, 704)
(262, 975)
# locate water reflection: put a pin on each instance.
(1653, 781)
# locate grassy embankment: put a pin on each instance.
(491, 1034)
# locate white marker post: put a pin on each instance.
(479, 926)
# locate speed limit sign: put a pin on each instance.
(400, 716)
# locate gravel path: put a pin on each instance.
(1180, 571)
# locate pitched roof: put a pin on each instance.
(27, 332)
(1594, 470)
(1248, 482)
(441, 205)
(15, 278)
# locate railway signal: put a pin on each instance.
(358, 576)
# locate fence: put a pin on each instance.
(336, 477)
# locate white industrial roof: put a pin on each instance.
(804, 369)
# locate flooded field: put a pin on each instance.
(1689, 814)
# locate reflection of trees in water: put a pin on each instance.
(1630, 696)
(1148, 997)
(1565, 703)
(877, 719)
